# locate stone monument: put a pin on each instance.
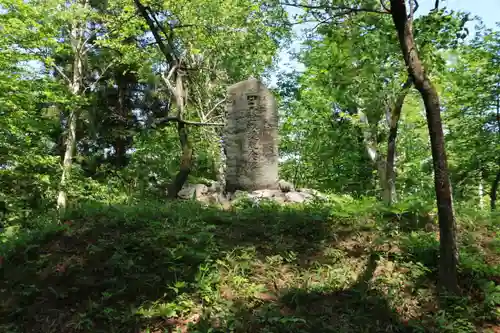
(251, 138)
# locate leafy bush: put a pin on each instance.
(422, 247)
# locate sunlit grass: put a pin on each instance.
(324, 267)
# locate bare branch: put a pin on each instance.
(93, 85)
(411, 13)
(167, 52)
(346, 10)
(161, 27)
(398, 104)
(382, 3)
(436, 6)
(413, 9)
(166, 79)
(179, 94)
(186, 122)
(60, 71)
(215, 107)
(306, 21)
(320, 23)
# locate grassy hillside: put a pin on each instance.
(341, 266)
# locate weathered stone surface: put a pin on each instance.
(205, 194)
(266, 193)
(210, 199)
(294, 197)
(313, 193)
(251, 138)
(214, 187)
(193, 190)
(285, 186)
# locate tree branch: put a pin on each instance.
(385, 6)
(162, 29)
(215, 107)
(60, 71)
(398, 105)
(93, 85)
(436, 6)
(169, 55)
(413, 9)
(321, 22)
(165, 120)
(167, 79)
(346, 10)
(179, 94)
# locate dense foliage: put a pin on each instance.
(107, 108)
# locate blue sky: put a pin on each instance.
(488, 10)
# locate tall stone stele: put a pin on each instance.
(251, 137)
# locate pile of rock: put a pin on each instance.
(201, 192)
(284, 194)
(297, 196)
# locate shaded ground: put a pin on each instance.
(157, 268)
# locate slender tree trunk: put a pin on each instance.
(386, 189)
(391, 142)
(61, 137)
(494, 186)
(76, 85)
(481, 191)
(121, 139)
(221, 163)
(70, 142)
(371, 144)
(186, 162)
(494, 191)
(448, 258)
(187, 150)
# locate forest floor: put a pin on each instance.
(179, 267)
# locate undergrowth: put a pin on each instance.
(340, 266)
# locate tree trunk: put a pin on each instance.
(221, 163)
(391, 142)
(385, 186)
(186, 162)
(448, 258)
(77, 40)
(494, 191)
(120, 143)
(70, 142)
(371, 144)
(481, 191)
(187, 149)
(494, 186)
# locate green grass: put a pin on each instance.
(330, 267)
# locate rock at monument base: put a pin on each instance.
(210, 199)
(294, 197)
(285, 186)
(285, 195)
(266, 193)
(215, 187)
(195, 191)
(313, 194)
